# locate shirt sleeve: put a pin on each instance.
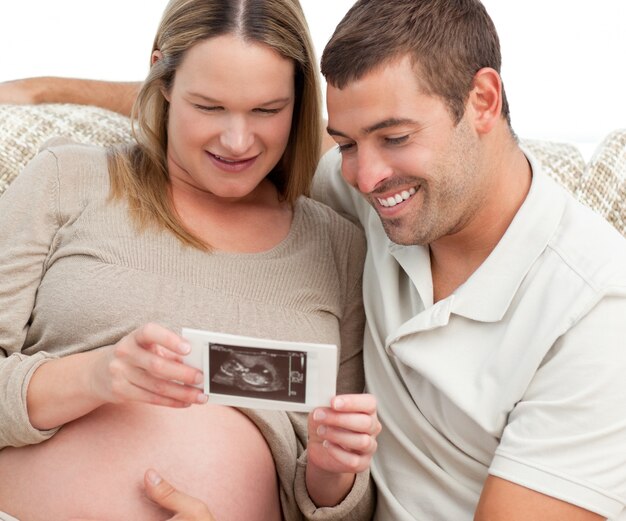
(30, 220)
(330, 188)
(567, 437)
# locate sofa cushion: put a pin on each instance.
(603, 184)
(26, 127)
(562, 161)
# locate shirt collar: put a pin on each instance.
(487, 294)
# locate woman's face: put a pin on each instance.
(231, 107)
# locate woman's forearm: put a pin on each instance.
(327, 489)
(60, 391)
(144, 366)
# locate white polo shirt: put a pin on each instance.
(520, 373)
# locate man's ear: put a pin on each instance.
(485, 99)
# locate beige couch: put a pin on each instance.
(600, 183)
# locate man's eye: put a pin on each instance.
(396, 140)
(344, 147)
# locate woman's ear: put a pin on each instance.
(485, 99)
(156, 56)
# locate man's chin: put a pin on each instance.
(398, 234)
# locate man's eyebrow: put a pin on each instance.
(334, 132)
(386, 123)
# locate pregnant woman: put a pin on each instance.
(203, 222)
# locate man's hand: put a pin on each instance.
(185, 507)
(20, 92)
(111, 95)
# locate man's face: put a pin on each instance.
(402, 150)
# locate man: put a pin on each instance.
(495, 302)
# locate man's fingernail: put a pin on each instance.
(154, 478)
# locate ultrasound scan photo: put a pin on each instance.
(269, 374)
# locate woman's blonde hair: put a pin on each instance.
(139, 172)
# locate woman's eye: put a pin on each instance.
(206, 108)
(267, 111)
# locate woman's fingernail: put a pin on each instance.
(185, 348)
(153, 477)
(321, 430)
(338, 403)
(319, 415)
(202, 398)
(199, 378)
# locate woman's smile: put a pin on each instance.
(231, 164)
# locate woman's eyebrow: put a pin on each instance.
(208, 99)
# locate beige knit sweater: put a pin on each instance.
(76, 275)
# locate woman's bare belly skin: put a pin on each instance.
(93, 467)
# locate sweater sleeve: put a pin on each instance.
(358, 505)
(30, 220)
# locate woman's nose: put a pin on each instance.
(237, 138)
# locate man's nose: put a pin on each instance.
(369, 171)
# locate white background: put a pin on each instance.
(563, 60)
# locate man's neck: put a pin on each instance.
(454, 258)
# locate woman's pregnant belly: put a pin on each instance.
(93, 467)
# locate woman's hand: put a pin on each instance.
(146, 366)
(342, 441)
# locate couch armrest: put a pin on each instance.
(603, 184)
(562, 161)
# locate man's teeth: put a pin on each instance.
(398, 198)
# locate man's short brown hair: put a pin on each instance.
(449, 42)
